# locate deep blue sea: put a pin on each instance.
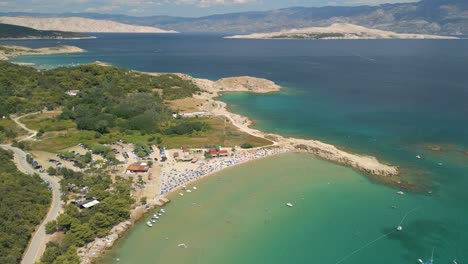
(393, 99)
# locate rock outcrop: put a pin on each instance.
(94, 249)
(246, 84)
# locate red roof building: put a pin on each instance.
(143, 167)
(223, 153)
(213, 152)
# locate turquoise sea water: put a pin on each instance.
(388, 98)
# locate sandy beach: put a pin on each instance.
(179, 177)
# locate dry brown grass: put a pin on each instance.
(186, 104)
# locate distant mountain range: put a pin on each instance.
(440, 17)
(14, 32)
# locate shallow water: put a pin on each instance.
(240, 216)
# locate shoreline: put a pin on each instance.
(11, 51)
(211, 91)
(363, 163)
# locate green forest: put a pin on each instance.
(81, 226)
(24, 201)
(13, 31)
(109, 97)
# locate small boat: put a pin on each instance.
(149, 224)
(431, 261)
(181, 194)
(159, 214)
(399, 228)
(194, 187)
(289, 204)
(394, 207)
(400, 193)
(417, 156)
(189, 191)
(153, 220)
(182, 245)
(162, 210)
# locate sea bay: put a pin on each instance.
(389, 98)
(240, 216)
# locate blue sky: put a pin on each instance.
(168, 7)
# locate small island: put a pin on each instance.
(337, 31)
(9, 51)
(8, 31)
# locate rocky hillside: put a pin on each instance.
(439, 17)
(14, 32)
(77, 24)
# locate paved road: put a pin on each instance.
(38, 241)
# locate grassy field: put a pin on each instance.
(186, 104)
(9, 124)
(47, 122)
(221, 133)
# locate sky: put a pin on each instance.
(187, 8)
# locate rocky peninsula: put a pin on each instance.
(213, 89)
(9, 51)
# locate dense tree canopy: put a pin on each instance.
(82, 226)
(109, 97)
(24, 89)
(24, 201)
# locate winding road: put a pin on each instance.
(39, 239)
